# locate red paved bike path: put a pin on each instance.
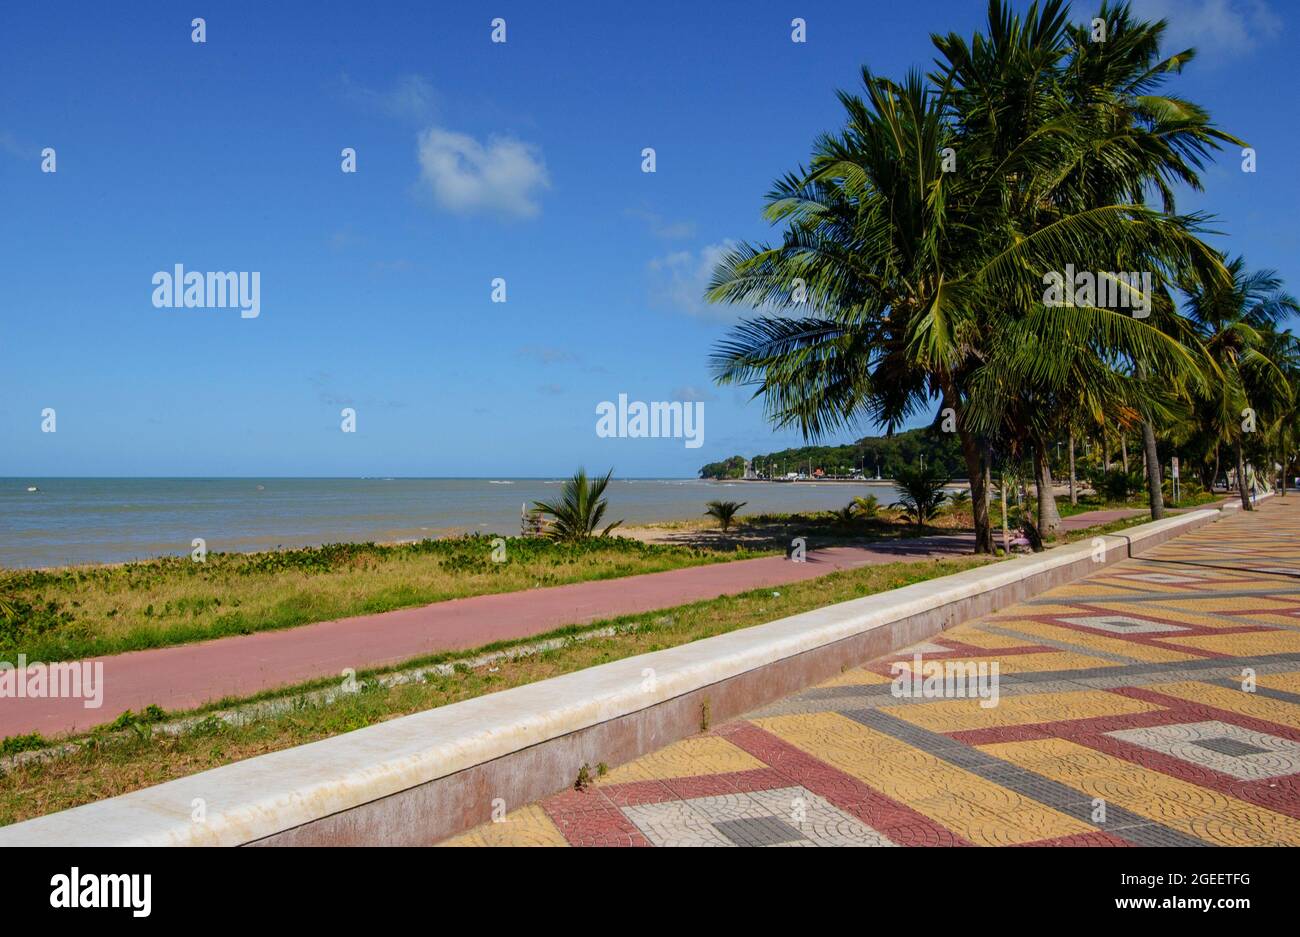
(183, 677)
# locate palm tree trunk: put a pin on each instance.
(973, 455)
(1241, 481)
(1105, 452)
(1049, 519)
(1216, 468)
(1006, 532)
(1123, 449)
(970, 451)
(1074, 496)
(986, 462)
(1156, 497)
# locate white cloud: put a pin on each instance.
(502, 176)
(1218, 29)
(657, 225)
(679, 279)
(343, 239)
(411, 98)
(330, 396)
(545, 354)
(691, 393)
(400, 265)
(10, 145)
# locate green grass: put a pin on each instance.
(125, 756)
(1092, 502)
(774, 531)
(1137, 502)
(83, 611)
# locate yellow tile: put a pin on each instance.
(707, 754)
(1142, 585)
(1233, 700)
(1096, 589)
(1099, 642)
(1023, 663)
(1152, 610)
(1182, 806)
(856, 677)
(1267, 618)
(529, 826)
(1248, 644)
(1264, 583)
(971, 806)
(1232, 603)
(1044, 609)
(1288, 682)
(959, 715)
(984, 639)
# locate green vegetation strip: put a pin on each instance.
(86, 611)
(1095, 503)
(128, 754)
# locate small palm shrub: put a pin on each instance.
(867, 506)
(580, 509)
(959, 503)
(920, 492)
(1115, 485)
(724, 511)
(8, 604)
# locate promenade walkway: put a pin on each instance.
(186, 676)
(1155, 703)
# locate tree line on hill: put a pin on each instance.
(869, 456)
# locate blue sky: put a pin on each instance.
(475, 160)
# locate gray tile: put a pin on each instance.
(1233, 747)
(1220, 746)
(1120, 624)
(758, 831)
(1266, 692)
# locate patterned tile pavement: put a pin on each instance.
(1156, 703)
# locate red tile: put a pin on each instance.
(1096, 838)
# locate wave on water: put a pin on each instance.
(118, 520)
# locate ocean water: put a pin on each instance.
(108, 520)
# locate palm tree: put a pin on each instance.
(920, 492)
(580, 509)
(1166, 141)
(1283, 349)
(899, 282)
(1037, 86)
(867, 242)
(724, 511)
(1250, 390)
